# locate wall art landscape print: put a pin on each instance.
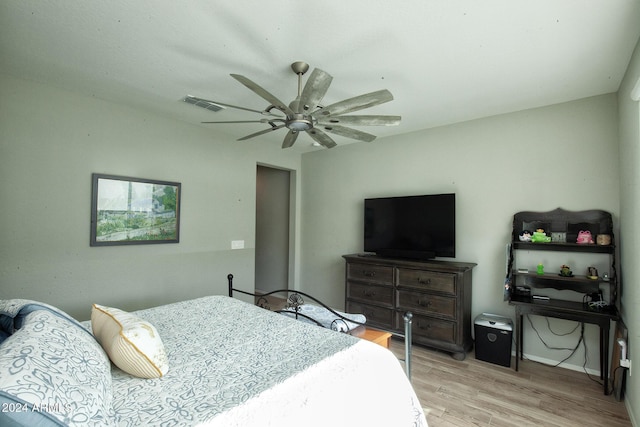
(130, 211)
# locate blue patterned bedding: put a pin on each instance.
(52, 371)
(230, 364)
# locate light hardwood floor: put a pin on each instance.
(476, 393)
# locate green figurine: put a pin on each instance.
(539, 236)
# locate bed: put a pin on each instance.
(211, 361)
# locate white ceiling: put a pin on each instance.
(444, 61)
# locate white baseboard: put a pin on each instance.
(565, 365)
(627, 405)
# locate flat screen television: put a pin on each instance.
(416, 227)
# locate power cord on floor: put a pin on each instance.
(572, 350)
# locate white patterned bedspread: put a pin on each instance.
(234, 364)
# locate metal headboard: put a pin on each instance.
(296, 298)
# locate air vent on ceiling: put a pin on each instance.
(202, 103)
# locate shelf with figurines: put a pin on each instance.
(562, 280)
(586, 232)
(540, 240)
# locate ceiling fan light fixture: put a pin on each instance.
(299, 123)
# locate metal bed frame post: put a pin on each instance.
(408, 316)
(230, 280)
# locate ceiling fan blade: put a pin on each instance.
(262, 132)
(240, 121)
(356, 103)
(290, 139)
(321, 138)
(205, 103)
(350, 133)
(360, 120)
(263, 93)
(314, 90)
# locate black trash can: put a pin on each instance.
(493, 338)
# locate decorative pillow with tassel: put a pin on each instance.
(132, 344)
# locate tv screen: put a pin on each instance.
(419, 227)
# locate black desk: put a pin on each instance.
(568, 310)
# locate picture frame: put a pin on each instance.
(134, 211)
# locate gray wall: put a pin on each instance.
(629, 112)
(51, 141)
(559, 156)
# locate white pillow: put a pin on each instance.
(132, 344)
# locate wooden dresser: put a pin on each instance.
(438, 293)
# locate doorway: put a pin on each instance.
(273, 191)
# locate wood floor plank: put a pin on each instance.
(476, 393)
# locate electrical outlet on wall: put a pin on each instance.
(624, 362)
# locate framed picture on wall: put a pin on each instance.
(134, 211)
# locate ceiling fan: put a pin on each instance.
(306, 114)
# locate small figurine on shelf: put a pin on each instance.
(592, 273)
(584, 237)
(565, 271)
(525, 236)
(540, 269)
(539, 236)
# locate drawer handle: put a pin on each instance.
(424, 303)
(424, 281)
(424, 325)
(369, 293)
(368, 273)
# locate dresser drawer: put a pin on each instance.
(425, 279)
(420, 302)
(368, 293)
(370, 273)
(430, 328)
(375, 315)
